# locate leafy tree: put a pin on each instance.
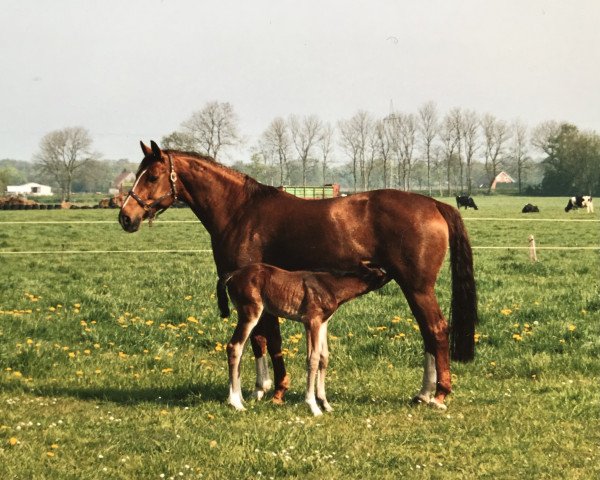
(572, 164)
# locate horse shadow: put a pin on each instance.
(182, 395)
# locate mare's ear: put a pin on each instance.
(145, 149)
(156, 150)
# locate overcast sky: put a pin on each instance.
(132, 70)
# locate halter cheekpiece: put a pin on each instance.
(148, 206)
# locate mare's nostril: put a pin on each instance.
(125, 220)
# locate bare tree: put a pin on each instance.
(470, 139)
(428, 129)
(384, 145)
(354, 140)
(62, 153)
(542, 135)
(213, 128)
(448, 137)
(407, 130)
(276, 143)
(326, 146)
(518, 151)
(495, 135)
(178, 141)
(305, 134)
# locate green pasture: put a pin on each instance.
(112, 360)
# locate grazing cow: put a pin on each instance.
(580, 202)
(465, 201)
(529, 208)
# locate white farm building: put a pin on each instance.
(29, 189)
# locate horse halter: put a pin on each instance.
(149, 206)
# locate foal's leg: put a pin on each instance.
(259, 348)
(323, 364)
(313, 355)
(247, 319)
(434, 330)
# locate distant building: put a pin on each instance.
(34, 189)
(122, 183)
(502, 177)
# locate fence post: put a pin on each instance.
(532, 252)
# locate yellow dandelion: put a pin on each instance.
(572, 328)
(506, 311)
(96, 346)
(517, 337)
(167, 370)
(87, 352)
(54, 446)
(188, 297)
(17, 374)
(79, 373)
(219, 347)
(12, 441)
(71, 354)
(123, 355)
(97, 371)
(213, 443)
(493, 364)
(50, 454)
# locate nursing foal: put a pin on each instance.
(308, 297)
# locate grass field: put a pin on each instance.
(112, 361)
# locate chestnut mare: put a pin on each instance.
(405, 233)
(308, 297)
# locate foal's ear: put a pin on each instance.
(145, 149)
(156, 150)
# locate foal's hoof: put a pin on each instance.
(433, 403)
(278, 400)
(258, 394)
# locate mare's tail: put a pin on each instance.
(222, 297)
(463, 313)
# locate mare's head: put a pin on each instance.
(154, 190)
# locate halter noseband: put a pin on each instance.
(149, 206)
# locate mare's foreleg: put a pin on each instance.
(323, 364)
(313, 355)
(247, 319)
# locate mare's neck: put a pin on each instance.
(214, 192)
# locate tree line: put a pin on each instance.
(455, 152)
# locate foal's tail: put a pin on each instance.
(463, 312)
(222, 297)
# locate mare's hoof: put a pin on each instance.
(433, 403)
(278, 401)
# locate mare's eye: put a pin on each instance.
(152, 178)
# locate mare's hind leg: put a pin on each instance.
(247, 319)
(323, 364)
(267, 335)
(429, 379)
(434, 329)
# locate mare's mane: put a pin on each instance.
(251, 187)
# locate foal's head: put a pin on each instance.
(154, 190)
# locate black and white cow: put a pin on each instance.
(529, 208)
(465, 201)
(580, 202)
